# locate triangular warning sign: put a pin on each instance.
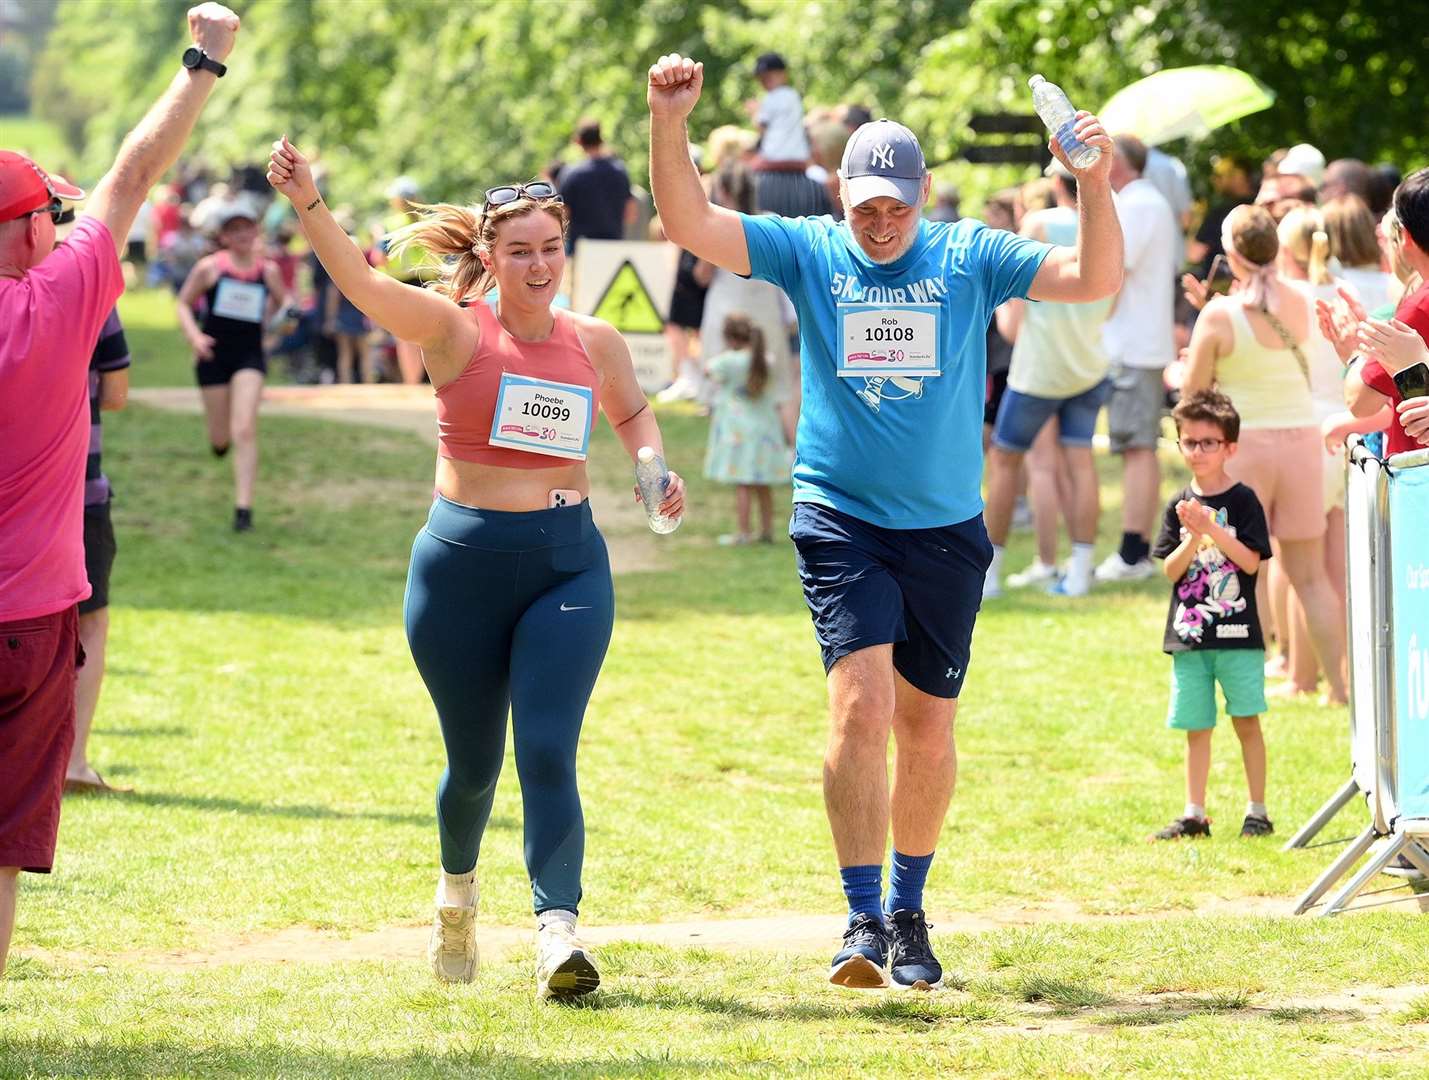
(626, 304)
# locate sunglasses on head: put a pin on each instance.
(509, 193)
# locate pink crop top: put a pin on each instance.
(467, 404)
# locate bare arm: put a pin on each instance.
(1177, 562)
(1360, 399)
(199, 281)
(711, 232)
(277, 292)
(1234, 549)
(1009, 318)
(114, 390)
(624, 403)
(154, 145)
(1337, 426)
(1093, 269)
(1207, 346)
(411, 313)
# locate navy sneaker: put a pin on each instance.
(1184, 827)
(911, 962)
(1256, 825)
(863, 961)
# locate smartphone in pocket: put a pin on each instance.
(1220, 279)
(1413, 381)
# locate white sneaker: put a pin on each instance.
(563, 967)
(451, 949)
(1039, 573)
(682, 389)
(1067, 585)
(1115, 568)
(991, 587)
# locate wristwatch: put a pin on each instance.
(195, 59)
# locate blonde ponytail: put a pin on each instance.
(1319, 265)
(1302, 234)
(451, 240)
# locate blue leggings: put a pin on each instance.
(511, 611)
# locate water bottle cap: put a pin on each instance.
(1032, 82)
(645, 455)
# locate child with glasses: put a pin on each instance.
(1213, 539)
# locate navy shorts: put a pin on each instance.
(916, 589)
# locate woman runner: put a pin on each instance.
(509, 597)
(242, 293)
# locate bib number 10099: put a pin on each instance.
(542, 411)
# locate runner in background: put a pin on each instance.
(241, 292)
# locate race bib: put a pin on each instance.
(542, 417)
(888, 339)
(241, 301)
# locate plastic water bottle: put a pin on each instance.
(1055, 109)
(654, 480)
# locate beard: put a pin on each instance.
(898, 251)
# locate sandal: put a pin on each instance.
(82, 785)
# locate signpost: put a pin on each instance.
(629, 284)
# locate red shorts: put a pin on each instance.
(38, 659)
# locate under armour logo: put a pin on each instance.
(883, 156)
(953, 673)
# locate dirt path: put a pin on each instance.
(791, 933)
(410, 408)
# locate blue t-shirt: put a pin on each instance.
(903, 453)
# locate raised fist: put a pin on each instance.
(290, 175)
(675, 84)
(213, 28)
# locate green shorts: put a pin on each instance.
(1241, 673)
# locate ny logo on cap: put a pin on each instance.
(882, 156)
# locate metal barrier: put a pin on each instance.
(1387, 526)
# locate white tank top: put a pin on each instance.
(1058, 352)
(1266, 385)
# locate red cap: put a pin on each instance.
(25, 187)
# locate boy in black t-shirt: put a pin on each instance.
(1213, 538)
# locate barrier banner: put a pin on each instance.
(1409, 562)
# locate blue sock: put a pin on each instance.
(863, 885)
(905, 881)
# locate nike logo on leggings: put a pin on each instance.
(566, 607)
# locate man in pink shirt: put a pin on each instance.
(53, 301)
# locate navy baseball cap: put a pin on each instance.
(770, 61)
(884, 158)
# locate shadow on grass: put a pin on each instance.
(160, 1058)
(159, 731)
(913, 1012)
(222, 805)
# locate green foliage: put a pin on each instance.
(463, 95)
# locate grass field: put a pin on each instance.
(261, 700)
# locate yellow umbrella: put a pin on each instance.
(1184, 102)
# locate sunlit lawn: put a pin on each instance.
(261, 699)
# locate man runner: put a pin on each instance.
(887, 521)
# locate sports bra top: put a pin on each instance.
(466, 405)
